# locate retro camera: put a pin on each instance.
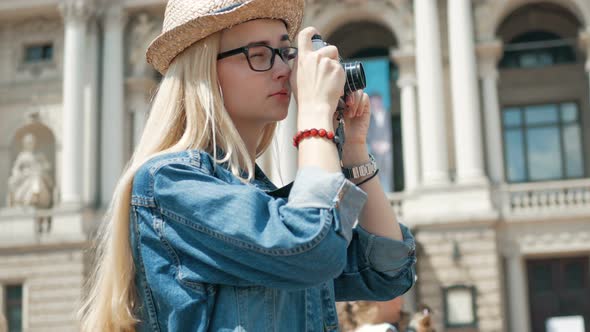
(355, 74)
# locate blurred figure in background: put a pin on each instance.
(421, 321)
(370, 316)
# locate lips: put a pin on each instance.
(281, 92)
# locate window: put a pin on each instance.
(39, 53)
(13, 305)
(542, 142)
(537, 49)
(460, 306)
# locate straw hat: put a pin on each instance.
(188, 21)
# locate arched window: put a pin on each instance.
(536, 49)
(370, 43)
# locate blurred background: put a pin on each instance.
(480, 125)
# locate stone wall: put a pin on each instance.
(477, 265)
(52, 280)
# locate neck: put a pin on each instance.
(250, 133)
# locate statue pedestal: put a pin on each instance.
(25, 226)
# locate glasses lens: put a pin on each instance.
(260, 57)
(289, 54)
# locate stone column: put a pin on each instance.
(91, 101)
(280, 159)
(75, 14)
(489, 54)
(113, 91)
(411, 147)
(287, 155)
(435, 164)
(466, 111)
(517, 294)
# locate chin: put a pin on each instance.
(278, 113)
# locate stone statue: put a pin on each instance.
(30, 183)
(143, 32)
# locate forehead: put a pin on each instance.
(269, 30)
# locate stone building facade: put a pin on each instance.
(491, 99)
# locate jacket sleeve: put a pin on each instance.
(378, 268)
(236, 234)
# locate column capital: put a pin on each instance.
(114, 14)
(488, 55)
(406, 62)
(76, 10)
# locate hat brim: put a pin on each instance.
(169, 44)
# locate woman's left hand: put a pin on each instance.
(357, 117)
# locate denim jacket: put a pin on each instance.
(212, 253)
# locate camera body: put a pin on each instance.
(355, 74)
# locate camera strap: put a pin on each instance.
(339, 134)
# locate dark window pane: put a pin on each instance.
(512, 117)
(48, 52)
(13, 306)
(33, 54)
(514, 147)
(569, 112)
(573, 151)
(510, 60)
(528, 51)
(541, 277)
(38, 53)
(541, 114)
(574, 275)
(529, 60)
(544, 153)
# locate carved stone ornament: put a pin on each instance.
(30, 183)
(143, 31)
(76, 10)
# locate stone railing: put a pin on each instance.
(565, 197)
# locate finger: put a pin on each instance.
(358, 98)
(350, 99)
(365, 105)
(304, 39)
(329, 51)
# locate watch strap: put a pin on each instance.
(359, 171)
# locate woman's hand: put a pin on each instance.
(317, 80)
(357, 117)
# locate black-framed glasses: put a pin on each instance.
(262, 57)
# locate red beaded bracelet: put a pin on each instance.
(311, 132)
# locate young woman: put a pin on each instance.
(197, 239)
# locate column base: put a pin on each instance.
(473, 179)
(436, 180)
(451, 204)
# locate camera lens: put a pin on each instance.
(355, 76)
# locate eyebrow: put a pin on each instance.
(265, 42)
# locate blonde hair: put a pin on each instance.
(187, 113)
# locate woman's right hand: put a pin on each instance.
(317, 80)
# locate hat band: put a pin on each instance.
(228, 8)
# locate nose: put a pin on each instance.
(281, 69)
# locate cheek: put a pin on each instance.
(240, 90)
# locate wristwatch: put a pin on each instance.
(361, 170)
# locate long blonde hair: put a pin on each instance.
(187, 112)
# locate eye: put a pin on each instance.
(289, 53)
